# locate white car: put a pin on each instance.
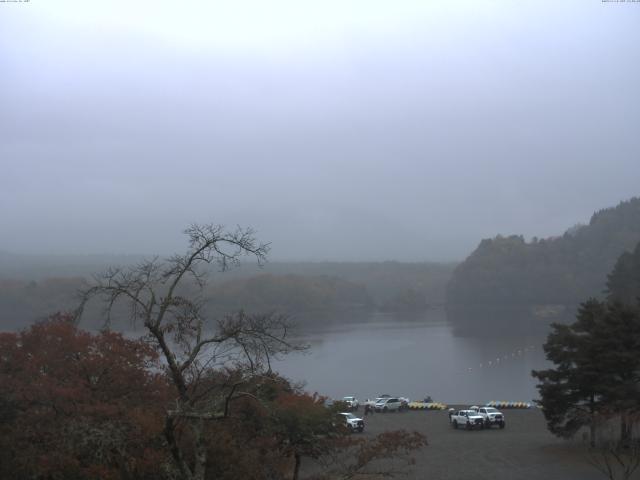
(467, 419)
(388, 404)
(372, 403)
(351, 401)
(355, 424)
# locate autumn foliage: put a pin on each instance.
(78, 405)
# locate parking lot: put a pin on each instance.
(524, 450)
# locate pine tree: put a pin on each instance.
(617, 340)
(597, 370)
(570, 394)
(623, 283)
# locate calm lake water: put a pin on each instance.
(416, 358)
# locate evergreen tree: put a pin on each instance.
(616, 339)
(570, 394)
(597, 370)
(623, 283)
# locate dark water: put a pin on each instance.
(415, 358)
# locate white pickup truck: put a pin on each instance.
(351, 401)
(468, 419)
(491, 416)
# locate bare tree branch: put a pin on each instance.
(178, 327)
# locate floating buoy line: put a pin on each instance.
(502, 359)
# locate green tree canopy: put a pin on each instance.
(596, 373)
(623, 283)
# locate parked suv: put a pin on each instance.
(491, 416)
(352, 402)
(467, 419)
(390, 404)
(354, 423)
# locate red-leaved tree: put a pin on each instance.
(79, 405)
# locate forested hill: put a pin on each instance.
(565, 270)
(32, 287)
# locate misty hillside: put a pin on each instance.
(33, 287)
(36, 267)
(557, 271)
(290, 294)
(386, 282)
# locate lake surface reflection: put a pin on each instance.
(415, 358)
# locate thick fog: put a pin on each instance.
(338, 130)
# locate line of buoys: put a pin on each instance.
(504, 405)
(427, 406)
(501, 359)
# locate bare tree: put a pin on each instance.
(617, 453)
(196, 349)
(614, 461)
(386, 455)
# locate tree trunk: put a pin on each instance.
(200, 448)
(296, 468)
(625, 430)
(592, 423)
(169, 433)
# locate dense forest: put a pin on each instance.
(542, 279)
(305, 290)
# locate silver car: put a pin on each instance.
(391, 404)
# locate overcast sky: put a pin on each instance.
(339, 130)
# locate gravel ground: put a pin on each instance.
(524, 450)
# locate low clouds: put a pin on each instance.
(407, 140)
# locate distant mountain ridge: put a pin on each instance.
(508, 271)
(32, 287)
